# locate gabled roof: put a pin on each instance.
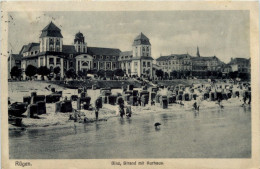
(125, 56)
(180, 56)
(16, 57)
(141, 39)
(31, 47)
(103, 51)
(51, 30)
(35, 55)
(68, 49)
(126, 53)
(206, 58)
(238, 60)
(163, 58)
(173, 56)
(35, 48)
(22, 50)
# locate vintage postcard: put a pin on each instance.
(130, 84)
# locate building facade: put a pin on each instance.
(13, 60)
(198, 65)
(241, 65)
(175, 62)
(138, 62)
(51, 52)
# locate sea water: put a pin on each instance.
(211, 133)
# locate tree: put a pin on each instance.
(119, 72)
(101, 73)
(56, 70)
(30, 71)
(109, 73)
(233, 75)
(81, 74)
(209, 73)
(166, 75)
(244, 76)
(220, 74)
(91, 71)
(16, 72)
(71, 73)
(43, 71)
(187, 73)
(174, 74)
(159, 73)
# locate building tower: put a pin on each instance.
(142, 60)
(79, 43)
(141, 46)
(51, 39)
(198, 52)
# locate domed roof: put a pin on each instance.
(79, 35)
(79, 38)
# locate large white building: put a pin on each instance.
(51, 52)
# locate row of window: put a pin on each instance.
(124, 64)
(187, 62)
(145, 64)
(102, 65)
(52, 48)
(178, 68)
(148, 64)
(34, 52)
(147, 48)
(126, 57)
(206, 62)
(174, 62)
(102, 57)
(57, 42)
(51, 61)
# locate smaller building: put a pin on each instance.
(104, 58)
(241, 65)
(209, 63)
(175, 62)
(14, 60)
(225, 69)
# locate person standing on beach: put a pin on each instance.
(96, 113)
(195, 106)
(121, 110)
(244, 99)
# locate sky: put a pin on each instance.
(224, 34)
